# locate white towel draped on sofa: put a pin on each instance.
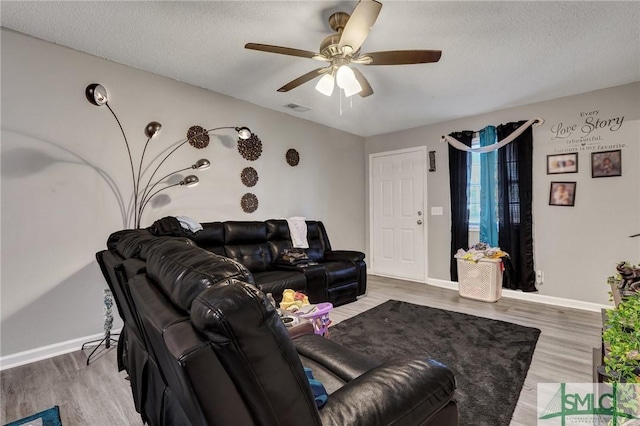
(189, 223)
(298, 231)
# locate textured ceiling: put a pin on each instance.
(495, 54)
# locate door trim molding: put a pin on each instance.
(419, 149)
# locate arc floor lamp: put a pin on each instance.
(198, 137)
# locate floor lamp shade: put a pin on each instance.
(243, 132)
(191, 180)
(96, 94)
(152, 129)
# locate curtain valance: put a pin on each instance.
(462, 147)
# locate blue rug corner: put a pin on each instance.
(50, 417)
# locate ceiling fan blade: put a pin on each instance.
(404, 57)
(281, 50)
(364, 83)
(359, 24)
(303, 79)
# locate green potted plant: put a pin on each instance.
(621, 337)
(622, 341)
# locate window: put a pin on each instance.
(514, 191)
(473, 196)
(474, 186)
(507, 219)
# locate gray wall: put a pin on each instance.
(64, 162)
(578, 247)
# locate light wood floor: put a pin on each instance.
(98, 395)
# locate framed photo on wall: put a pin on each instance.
(562, 163)
(606, 163)
(562, 194)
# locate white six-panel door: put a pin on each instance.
(398, 222)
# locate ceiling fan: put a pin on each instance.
(342, 49)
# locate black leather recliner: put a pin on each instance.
(215, 352)
(340, 276)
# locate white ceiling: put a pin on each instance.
(495, 54)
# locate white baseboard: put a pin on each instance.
(397, 278)
(531, 297)
(62, 348)
(49, 351)
(451, 285)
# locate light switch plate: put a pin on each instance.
(436, 211)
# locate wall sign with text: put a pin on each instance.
(591, 131)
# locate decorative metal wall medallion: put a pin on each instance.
(293, 157)
(249, 202)
(249, 176)
(198, 137)
(250, 149)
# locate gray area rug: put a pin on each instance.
(489, 358)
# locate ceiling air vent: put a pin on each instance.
(296, 107)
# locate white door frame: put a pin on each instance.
(420, 149)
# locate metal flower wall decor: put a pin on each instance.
(249, 202)
(249, 176)
(250, 149)
(293, 157)
(198, 137)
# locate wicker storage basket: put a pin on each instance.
(481, 280)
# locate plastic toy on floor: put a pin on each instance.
(293, 300)
(319, 317)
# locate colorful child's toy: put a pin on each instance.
(293, 300)
(319, 317)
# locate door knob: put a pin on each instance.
(419, 213)
(419, 222)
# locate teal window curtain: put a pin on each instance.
(488, 167)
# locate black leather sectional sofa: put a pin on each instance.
(203, 346)
(339, 277)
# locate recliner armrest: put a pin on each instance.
(344, 256)
(341, 361)
(400, 392)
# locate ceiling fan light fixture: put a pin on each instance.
(353, 88)
(346, 79)
(342, 49)
(345, 76)
(325, 85)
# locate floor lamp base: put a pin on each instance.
(106, 341)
